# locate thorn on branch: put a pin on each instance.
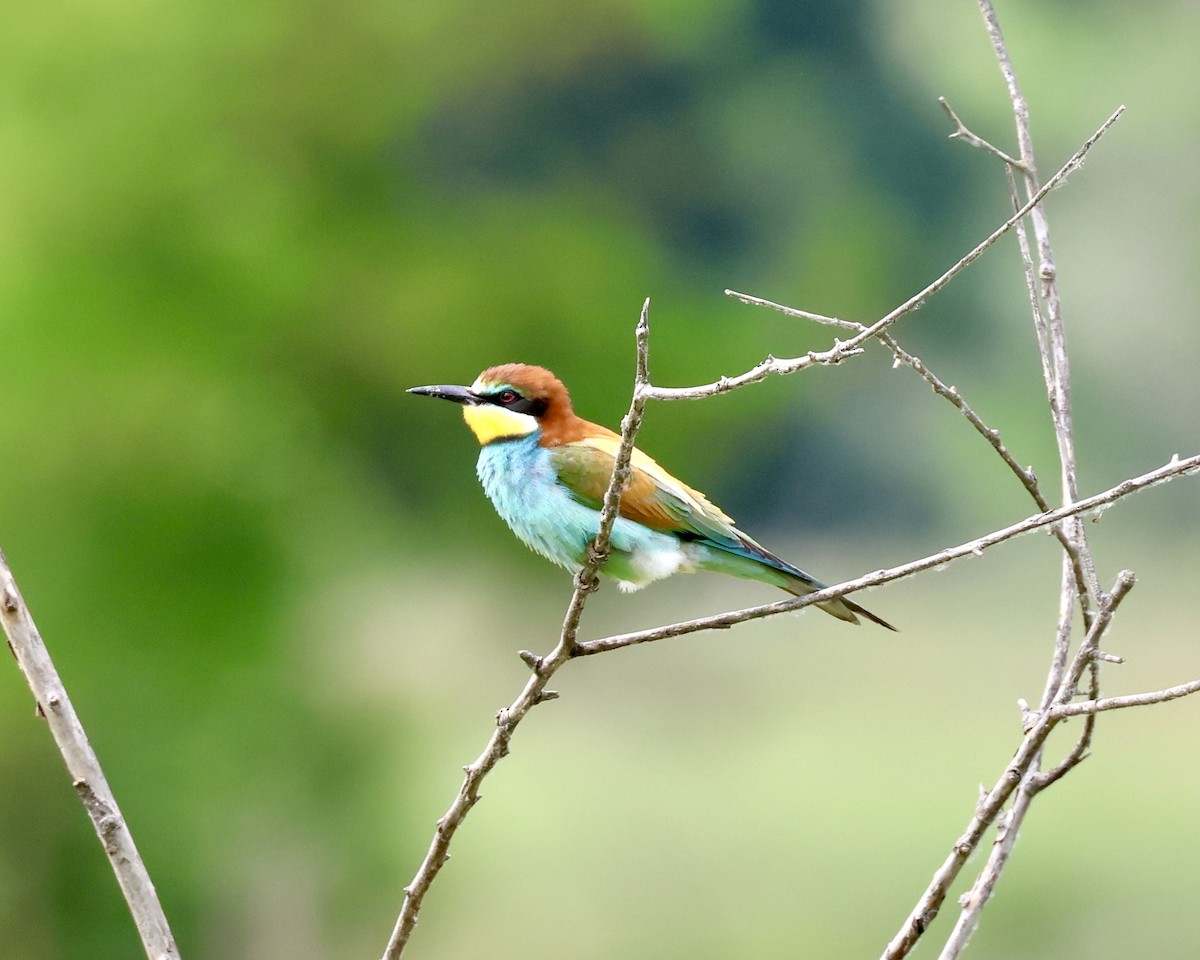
(961, 132)
(532, 660)
(546, 695)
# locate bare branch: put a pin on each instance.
(993, 801)
(1022, 779)
(799, 314)
(840, 351)
(1031, 289)
(1048, 321)
(1078, 579)
(1094, 706)
(1008, 827)
(903, 357)
(585, 579)
(990, 434)
(542, 668)
(975, 547)
(834, 355)
(1038, 780)
(1078, 564)
(84, 767)
(961, 132)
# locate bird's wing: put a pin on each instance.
(653, 498)
(656, 499)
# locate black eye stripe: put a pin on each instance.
(511, 400)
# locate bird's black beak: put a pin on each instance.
(447, 392)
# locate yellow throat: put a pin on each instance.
(489, 422)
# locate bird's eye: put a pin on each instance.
(508, 397)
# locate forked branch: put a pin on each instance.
(842, 350)
(569, 647)
(541, 668)
(991, 804)
(1176, 467)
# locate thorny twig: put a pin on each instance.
(950, 393)
(1022, 777)
(842, 350)
(1082, 568)
(1176, 467)
(541, 668)
(992, 803)
(1079, 580)
(1079, 583)
(1094, 706)
(963, 133)
(569, 647)
(1078, 576)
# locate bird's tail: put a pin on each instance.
(841, 608)
(748, 559)
(799, 583)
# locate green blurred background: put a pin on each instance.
(231, 234)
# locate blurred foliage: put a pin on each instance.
(231, 234)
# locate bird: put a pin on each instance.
(546, 470)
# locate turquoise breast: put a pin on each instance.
(520, 480)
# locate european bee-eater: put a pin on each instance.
(546, 469)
